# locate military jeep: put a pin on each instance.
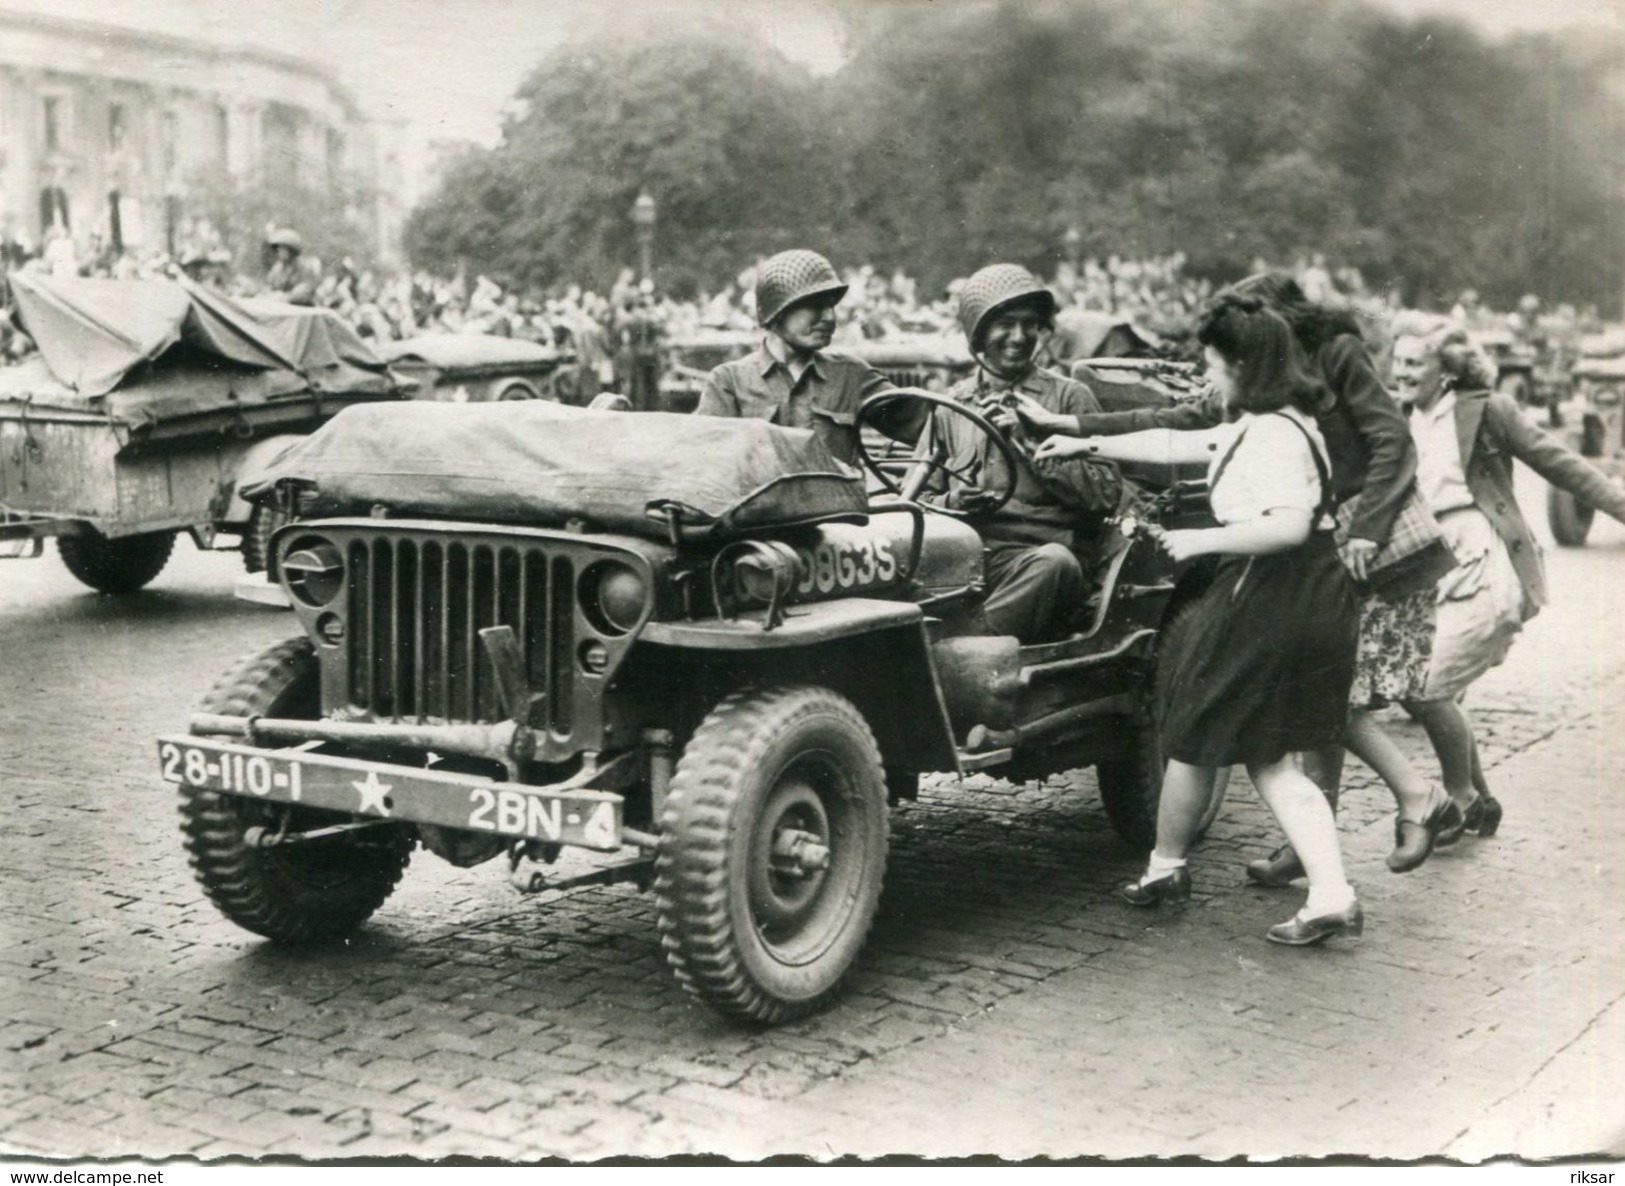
(1592, 423)
(694, 646)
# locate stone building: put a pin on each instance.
(107, 132)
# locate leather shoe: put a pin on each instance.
(1281, 868)
(1299, 931)
(1450, 824)
(1173, 887)
(1413, 844)
(1484, 816)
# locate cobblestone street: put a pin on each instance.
(1006, 1003)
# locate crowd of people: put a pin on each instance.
(604, 330)
(616, 336)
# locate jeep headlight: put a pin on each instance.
(313, 570)
(614, 596)
(764, 573)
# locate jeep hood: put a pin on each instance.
(653, 474)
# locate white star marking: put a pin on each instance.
(372, 794)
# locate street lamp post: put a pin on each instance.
(643, 226)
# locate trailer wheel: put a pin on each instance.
(1131, 786)
(297, 893)
(1568, 517)
(120, 565)
(772, 852)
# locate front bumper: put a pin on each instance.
(561, 813)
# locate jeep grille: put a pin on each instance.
(416, 607)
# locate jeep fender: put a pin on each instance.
(875, 653)
(256, 459)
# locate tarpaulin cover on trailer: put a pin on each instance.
(117, 346)
(543, 463)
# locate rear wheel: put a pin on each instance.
(120, 565)
(1131, 786)
(772, 852)
(295, 893)
(1568, 517)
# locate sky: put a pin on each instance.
(476, 52)
(447, 69)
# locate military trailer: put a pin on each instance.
(696, 647)
(145, 401)
(474, 368)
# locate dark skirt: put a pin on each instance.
(1264, 666)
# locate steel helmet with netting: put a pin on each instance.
(993, 288)
(790, 277)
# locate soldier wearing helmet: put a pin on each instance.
(791, 378)
(1034, 577)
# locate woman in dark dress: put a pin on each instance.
(1373, 471)
(1262, 676)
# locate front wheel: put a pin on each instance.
(772, 852)
(115, 566)
(1131, 786)
(1568, 517)
(303, 892)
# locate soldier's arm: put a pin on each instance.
(903, 419)
(717, 397)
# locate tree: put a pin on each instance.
(963, 133)
(724, 140)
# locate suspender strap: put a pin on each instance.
(1224, 462)
(1328, 499)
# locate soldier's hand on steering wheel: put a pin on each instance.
(971, 499)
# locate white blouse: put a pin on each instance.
(1271, 468)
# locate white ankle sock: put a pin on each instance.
(1162, 864)
(1328, 899)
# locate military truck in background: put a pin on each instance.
(1592, 423)
(1537, 373)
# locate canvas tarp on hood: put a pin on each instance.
(545, 464)
(92, 334)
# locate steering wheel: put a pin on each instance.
(922, 469)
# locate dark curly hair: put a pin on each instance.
(1261, 348)
(1314, 325)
